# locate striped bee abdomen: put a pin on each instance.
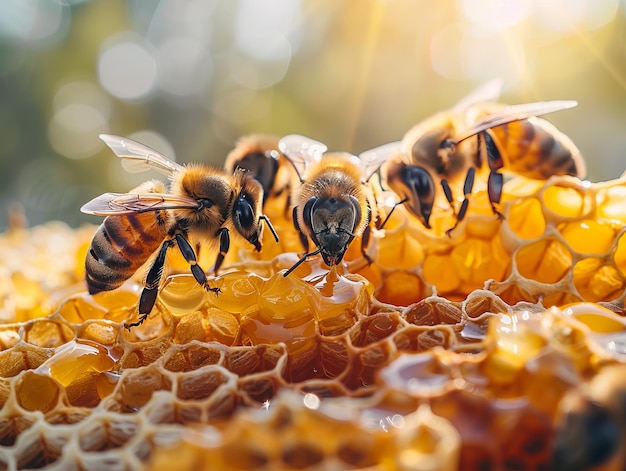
(120, 246)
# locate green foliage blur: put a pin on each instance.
(189, 77)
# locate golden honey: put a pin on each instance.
(460, 352)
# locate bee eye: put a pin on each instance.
(243, 213)
(308, 211)
(447, 144)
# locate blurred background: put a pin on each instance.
(189, 77)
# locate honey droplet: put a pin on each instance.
(283, 298)
(75, 358)
(340, 294)
(240, 292)
(81, 308)
(182, 294)
(260, 329)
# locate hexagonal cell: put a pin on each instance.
(401, 288)
(99, 435)
(193, 356)
(374, 328)
(588, 236)
(244, 361)
(434, 312)
(47, 334)
(198, 385)
(301, 455)
(566, 202)
(37, 392)
(476, 261)
(546, 261)
(619, 256)
(12, 426)
(596, 281)
(611, 202)
(525, 218)
(138, 385)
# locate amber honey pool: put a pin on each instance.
(500, 347)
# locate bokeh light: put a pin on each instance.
(126, 68)
(34, 20)
(196, 75)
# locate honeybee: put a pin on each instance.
(202, 204)
(439, 154)
(260, 155)
(331, 206)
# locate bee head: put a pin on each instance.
(332, 223)
(432, 146)
(415, 185)
(247, 210)
(259, 155)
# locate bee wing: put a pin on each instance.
(488, 91)
(516, 113)
(301, 151)
(137, 157)
(372, 159)
(111, 204)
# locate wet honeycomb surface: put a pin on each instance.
(474, 351)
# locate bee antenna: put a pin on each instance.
(269, 225)
(299, 262)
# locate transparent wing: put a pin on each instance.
(111, 204)
(516, 113)
(301, 151)
(137, 157)
(489, 91)
(372, 159)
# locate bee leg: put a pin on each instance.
(467, 191)
(190, 256)
(496, 179)
(494, 188)
(365, 241)
(365, 237)
(303, 238)
(263, 217)
(224, 247)
(447, 191)
(151, 289)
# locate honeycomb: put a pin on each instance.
(502, 346)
